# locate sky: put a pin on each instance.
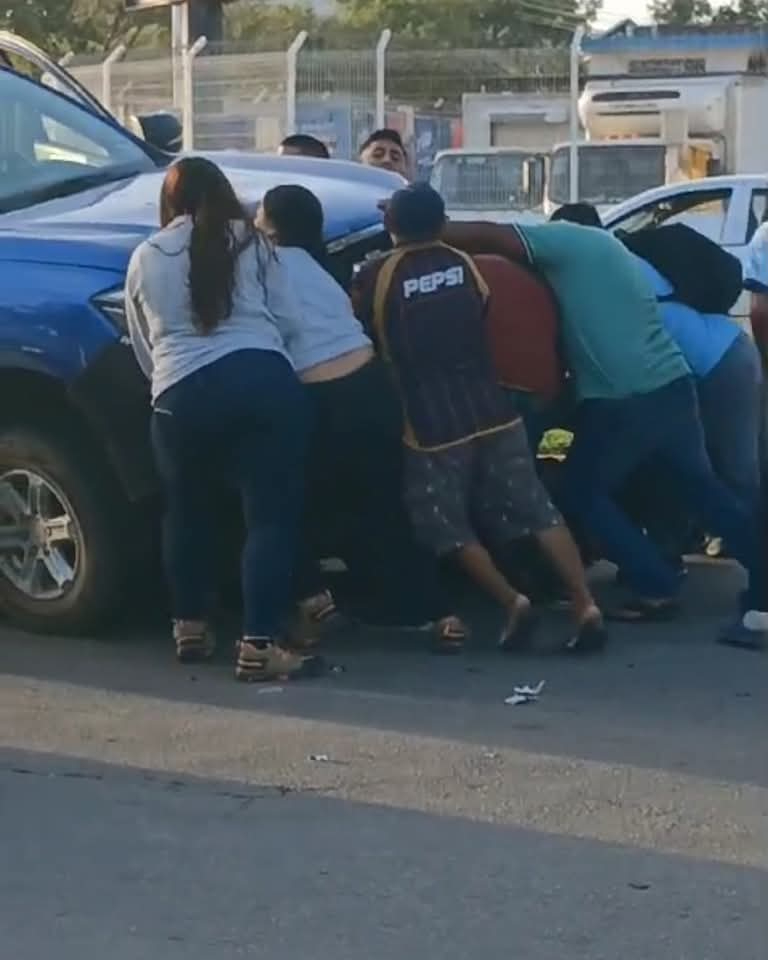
(614, 10)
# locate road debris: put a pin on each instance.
(319, 758)
(525, 694)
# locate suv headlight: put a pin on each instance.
(112, 304)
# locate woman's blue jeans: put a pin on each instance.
(239, 423)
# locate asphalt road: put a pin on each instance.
(395, 809)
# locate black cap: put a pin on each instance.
(417, 211)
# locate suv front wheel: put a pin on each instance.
(60, 556)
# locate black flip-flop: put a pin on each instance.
(639, 610)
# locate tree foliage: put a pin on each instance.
(684, 13)
(493, 23)
(96, 26)
(82, 26)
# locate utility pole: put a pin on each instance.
(206, 19)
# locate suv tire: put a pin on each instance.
(70, 522)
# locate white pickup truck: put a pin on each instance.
(726, 209)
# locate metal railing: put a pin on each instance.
(231, 98)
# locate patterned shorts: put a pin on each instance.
(484, 490)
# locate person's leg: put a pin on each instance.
(438, 494)
(729, 400)
(480, 567)
(400, 579)
(266, 450)
(611, 439)
(315, 611)
(511, 502)
(182, 449)
(685, 451)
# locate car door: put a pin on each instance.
(720, 212)
(705, 209)
(24, 57)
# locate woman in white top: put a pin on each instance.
(209, 313)
(355, 454)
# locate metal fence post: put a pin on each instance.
(381, 77)
(573, 192)
(291, 71)
(188, 101)
(179, 44)
(106, 75)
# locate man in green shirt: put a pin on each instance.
(613, 333)
(636, 399)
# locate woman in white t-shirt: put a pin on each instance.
(354, 496)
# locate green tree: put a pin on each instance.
(82, 26)
(501, 23)
(266, 25)
(683, 13)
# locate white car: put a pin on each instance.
(726, 209)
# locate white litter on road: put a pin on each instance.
(525, 694)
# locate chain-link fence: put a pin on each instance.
(230, 98)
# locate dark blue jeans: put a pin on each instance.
(612, 437)
(241, 422)
(730, 398)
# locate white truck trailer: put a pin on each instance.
(642, 133)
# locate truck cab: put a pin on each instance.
(491, 183)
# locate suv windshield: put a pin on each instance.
(608, 174)
(481, 180)
(50, 147)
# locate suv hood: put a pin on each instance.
(100, 227)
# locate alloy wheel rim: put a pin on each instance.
(40, 548)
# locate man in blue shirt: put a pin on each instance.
(726, 365)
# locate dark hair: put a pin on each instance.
(296, 216)
(306, 145)
(582, 213)
(197, 188)
(386, 133)
(416, 214)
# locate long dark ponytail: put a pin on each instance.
(295, 218)
(221, 230)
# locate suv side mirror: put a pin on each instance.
(533, 180)
(161, 130)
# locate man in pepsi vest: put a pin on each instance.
(470, 481)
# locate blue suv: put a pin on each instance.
(78, 192)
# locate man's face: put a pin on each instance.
(387, 155)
